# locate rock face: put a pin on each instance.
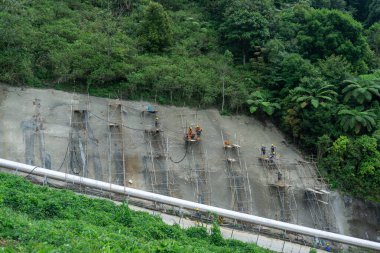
(121, 142)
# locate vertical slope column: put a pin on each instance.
(237, 174)
(316, 194)
(78, 138)
(157, 170)
(34, 138)
(197, 161)
(116, 154)
(280, 189)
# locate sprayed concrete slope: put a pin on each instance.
(115, 142)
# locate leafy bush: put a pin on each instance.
(197, 232)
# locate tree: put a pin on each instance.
(355, 120)
(224, 68)
(331, 32)
(15, 56)
(361, 90)
(335, 69)
(292, 121)
(261, 100)
(314, 92)
(329, 4)
(243, 28)
(354, 165)
(156, 31)
(293, 68)
(373, 12)
(323, 143)
(373, 37)
(119, 7)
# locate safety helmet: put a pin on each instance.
(197, 125)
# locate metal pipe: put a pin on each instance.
(188, 204)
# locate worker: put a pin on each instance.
(279, 176)
(227, 143)
(190, 134)
(272, 149)
(220, 220)
(198, 130)
(156, 123)
(272, 156)
(328, 247)
(151, 109)
(263, 150)
(198, 215)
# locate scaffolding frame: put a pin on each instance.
(199, 172)
(156, 160)
(281, 186)
(317, 196)
(116, 145)
(237, 174)
(78, 137)
(32, 132)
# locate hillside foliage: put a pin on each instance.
(41, 219)
(311, 66)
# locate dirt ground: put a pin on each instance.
(91, 136)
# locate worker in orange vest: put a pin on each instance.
(190, 134)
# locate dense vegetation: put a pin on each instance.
(312, 66)
(41, 219)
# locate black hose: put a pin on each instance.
(31, 171)
(135, 129)
(187, 145)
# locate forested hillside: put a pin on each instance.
(311, 66)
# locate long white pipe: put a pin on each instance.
(188, 204)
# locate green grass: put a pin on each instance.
(41, 219)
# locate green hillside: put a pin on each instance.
(310, 66)
(41, 219)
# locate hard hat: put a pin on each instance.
(272, 145)
(197, 209)
(156, 117)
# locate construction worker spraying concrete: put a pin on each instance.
(198, 130)
(272, 156)
(190, 135)
(150, 109)
(273, 149)
(263, 150)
